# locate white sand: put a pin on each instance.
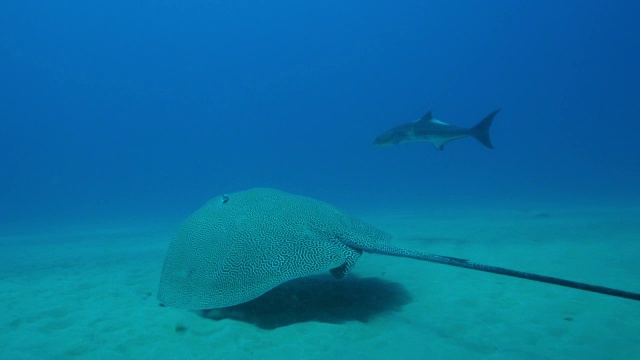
(90, 293)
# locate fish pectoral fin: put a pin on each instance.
(438, 146)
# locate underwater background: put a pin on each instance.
(120, 118)
(148, 108)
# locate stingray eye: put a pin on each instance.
(225, 198)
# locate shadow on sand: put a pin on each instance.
(317, 298)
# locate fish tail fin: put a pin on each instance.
(481, 130)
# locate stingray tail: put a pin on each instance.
(388, 249)
(481, 130)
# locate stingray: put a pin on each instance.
(239, 246)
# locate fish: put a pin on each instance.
(436, 132)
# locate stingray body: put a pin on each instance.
(238, 246)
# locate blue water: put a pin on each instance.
(147, 108)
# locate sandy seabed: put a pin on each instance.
(89, 292)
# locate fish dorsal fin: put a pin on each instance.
(426, 117)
